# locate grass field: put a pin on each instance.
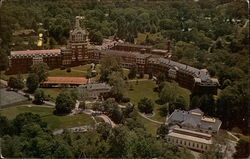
(145, 89)
(54, 92)
(6, 77)
(150, 126)
(54, 122)
(79, 71)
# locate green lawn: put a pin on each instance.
(73, 73)
(82, 68)
(54, 92)
(54, 122)
(78, 71)
(12, 112)
(145, 89)
(6, 77)
(150, 126)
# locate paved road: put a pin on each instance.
(103, 116)
(107, 120)
(83, 128)
(154, 121)
(134, 80)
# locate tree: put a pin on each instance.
(145, 105)
(118, 85)
(168, 93)
(162, 131)
(15, 83)
(96, 37)
(116, 115)
(242, 149)
(64, 103)
(132, 72)
(109, 64)
(32, 82)
(3, 59)
(89, 72)
(5, 126)
(111, 109)
(164, 110)
(82, 94)
(129, 109)
(41, 70)
(103, 129)
(39, 96)
(26, 118)
(141, 74)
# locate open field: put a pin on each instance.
(6, 77)
(79, 71)
(145, 89)
(54, 121)
(54, 92)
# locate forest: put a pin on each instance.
(211, 34)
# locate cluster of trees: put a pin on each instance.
(28, 136)
(16, 82)
(145, 105)
(111, 109)
(169, 97)
(38, 74)
(66, 101)
(112, 73)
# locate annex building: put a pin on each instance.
(64, 82)
(147, 60)
(191, 129)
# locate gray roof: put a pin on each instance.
(134, 45)
(203, 75)
(96, 86)
(194, 119)
(123, 53)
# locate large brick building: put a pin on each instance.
(75, 53)
(21, 61)
(146, 58)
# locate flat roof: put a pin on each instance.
(134, 45)
(66, 80)
(193, 132)
(25, 52)
(190, 138)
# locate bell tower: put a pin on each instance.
(76, 51)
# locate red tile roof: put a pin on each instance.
(35, 52)
(66, 80)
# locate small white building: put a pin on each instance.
(96, 90)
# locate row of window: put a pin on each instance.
(190, 144)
